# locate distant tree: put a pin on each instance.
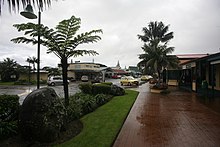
(14, 5)
(62, 42)
(52, 71)
(156, 52)
(32, 60)
(9, 70)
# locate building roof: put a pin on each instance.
(211, 57)
(185, 58)
(121, 71)
(191, 56)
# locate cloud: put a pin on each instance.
(196, 27)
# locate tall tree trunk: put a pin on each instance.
(159, 76)
(65, 82)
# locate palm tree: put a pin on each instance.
(158, 59)
(62, 42)
(156, 33)
(9, 70)
(32, 60)
(15, 4)
(156, 38)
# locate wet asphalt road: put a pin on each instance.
(23, 91)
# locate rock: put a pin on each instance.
(42, 116)
(117, 91)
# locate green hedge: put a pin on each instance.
(9, 109)
(86, 88)
(81, 104)
(100, 88)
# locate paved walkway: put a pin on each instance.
(176, 119)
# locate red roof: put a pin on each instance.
(119, 71)
(191, 56)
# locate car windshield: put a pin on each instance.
(57, 78)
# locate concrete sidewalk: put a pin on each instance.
(175, 119)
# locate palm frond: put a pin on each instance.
(14, 5)
(76, 53)
(24, 40)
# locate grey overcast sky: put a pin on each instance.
(195, 23)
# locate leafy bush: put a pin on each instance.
(117, 91)
(81, 104)
(74, 110)
(8, 129)
(88, 104)
(102, 99)
(101, 88)
(9, 107)
(159, 86)
(107, 83)
(86, 88)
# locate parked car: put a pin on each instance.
(55, 80)
(84, 78)
(97, 79)
(129, 80)
(146, 77)
(116, 76)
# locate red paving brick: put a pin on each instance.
(175, 119)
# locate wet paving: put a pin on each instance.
(175, 119)
(23, 90)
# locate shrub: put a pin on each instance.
(102, 99)
(81, 104)
(86, 88)
(107, 83)
(8, 129)
(117, 91)
(9, 107)
(160, 86)
(88, 103)
(74, 110)
(101, 88)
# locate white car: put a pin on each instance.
(84, 78)
(55, 80)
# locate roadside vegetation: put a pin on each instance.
(157, 54)
(101, 127)
(6, 83)
(101, 108)
(63, 41)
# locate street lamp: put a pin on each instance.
(28, 13)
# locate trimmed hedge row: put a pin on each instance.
(81, 104)
(91, 97)
(9, 109)
(101, 88)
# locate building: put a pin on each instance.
(116, 72)
(33, 76)
(78, 69)
(134, 71)
(199, 73)
(173, 76)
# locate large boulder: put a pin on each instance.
(42, 116)
(117, 91)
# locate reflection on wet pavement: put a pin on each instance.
(175, 119)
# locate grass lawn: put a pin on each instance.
(100, 128)
(7, 83)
